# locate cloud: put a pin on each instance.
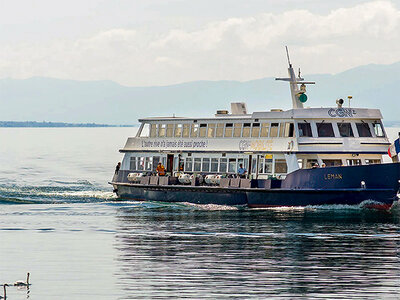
(235, 48)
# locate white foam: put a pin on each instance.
(211, 206)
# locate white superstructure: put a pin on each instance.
(267, 143)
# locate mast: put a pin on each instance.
(298, 94)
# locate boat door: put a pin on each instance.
(170, 163)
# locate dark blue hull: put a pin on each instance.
(256, 198)
(381, 199)
(373, 185)
(198, 195)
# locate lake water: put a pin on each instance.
(60, 221)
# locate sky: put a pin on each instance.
(162, 42)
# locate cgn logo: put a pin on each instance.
(341, 112)
(244, 145)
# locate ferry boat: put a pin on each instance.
(298, 157)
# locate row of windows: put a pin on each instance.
(190, 164)
(219, 130)
(220, 165)
(265, 165)
(345, 129)
(286, 129)
(213, 165)
(231, 165)
(145, 163)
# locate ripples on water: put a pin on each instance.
(310, 253)
(78, 242)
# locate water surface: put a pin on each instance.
(60, 221)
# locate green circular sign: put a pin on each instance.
(303, 98)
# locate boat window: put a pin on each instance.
(255, 131)
(274, 130)
(265, 164)
(282, 130)
(148, 163)
(363, 130)
(156, 160)
(222, 165)
(178, 130)
(195, 130)
(206, 164)
(246, 130)
(253, 165)
(237, 130)
(372, 161)
(211, 130)
(268, 164)
(304, 129)
(264, 130)
(311, 163)
(133, 163)
(170, 130)
(188, 164)
(289, 130)
(354, 162)
(345, 130)
(197, 164)
(332, 162)
(176, 163)
(145, 130)
(185, 131)
(232, 165)
(153, 130)
(261, 165)
(214, 164)
(280, 166)
(161, 130)
(203, 130)
(228, 129)
(220, 130)
(300, 162)
(140, 166)
(325, 130)
(378, 129)
(244, 162)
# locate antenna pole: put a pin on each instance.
(294, 82)
(349, 97)
(288, 58)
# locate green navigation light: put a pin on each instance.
(303, 98)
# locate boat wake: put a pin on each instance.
(211, 206)
(71, 192)
(395, 207)
(365, 205)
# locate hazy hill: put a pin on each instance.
(38, 99)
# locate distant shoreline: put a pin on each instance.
(34, 124)
(395, 124)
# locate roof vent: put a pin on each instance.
(239, 108)
(222, 112)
